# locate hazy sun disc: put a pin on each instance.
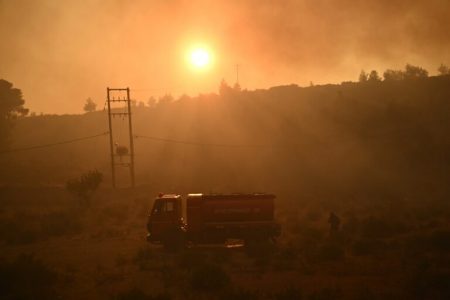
(200, 58)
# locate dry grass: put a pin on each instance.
(100, 252)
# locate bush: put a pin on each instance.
(329, 252)
(440, 240)
(238, 294)
(351, 225)
(430, 284)
(209, 277)
(364, 293)
(376, 228)
(16, 232)
(27, 278)
(368, 247)
(116, 213)
(84, 186)
(309, 234)
(189, 259)
(260, 249)
(326, 294)
(221, 255)
(60, 223)
(142, 258)
(137, 294)
(313, 215)
(285, 259)
(288, 294)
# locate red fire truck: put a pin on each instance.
(215, 218)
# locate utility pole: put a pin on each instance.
(127, 99)
(237, 74)
(130, 133)
(111, 142)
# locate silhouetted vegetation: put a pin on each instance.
(443, 70)
(137, 294)
(11, 107)
(396, 128)
(27, 278)
(90, 105)
(101, 250)
(209, 277)
(84, 186)
(410, 72)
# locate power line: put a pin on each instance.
(204, 144)
(53, 144)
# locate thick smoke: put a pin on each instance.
(62, 52)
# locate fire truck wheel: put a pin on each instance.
(174, 240)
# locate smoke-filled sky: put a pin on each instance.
(62, 52)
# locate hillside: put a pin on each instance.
(375, 154)
(390, 136)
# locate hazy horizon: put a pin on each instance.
(60, 53)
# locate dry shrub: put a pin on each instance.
(308, 234)
(209, 277)
(143, 258)
(351, 225)
(376, 228)
(326, 294)
(288, 294)
(117, 213)
(437, 241)
(18, 232)
(137, 294)
(313, 215)
(364, 293)
(238, 294)
(189, 259)
(285, 258)
(330, 252)
(429, 283)
(368, 247)
(221, 255)
(373, 227)
(440, 240)
(60, 223)
(27, 278)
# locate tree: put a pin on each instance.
(374, 77)
(393, 75)
(415, 72)
(85, 186)
(363, 76)
(184, 97)
(443, 70)
(224, 89)
(165, 100)
(11, 107)
(151, 102)
(90, 105)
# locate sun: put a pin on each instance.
(200, 58)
